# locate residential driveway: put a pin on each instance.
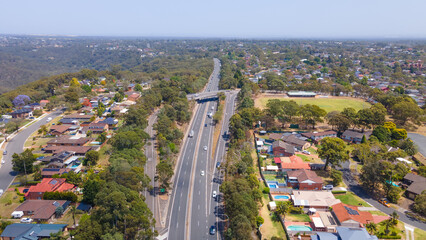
(420, 140)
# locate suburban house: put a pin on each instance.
(314, 199)
(350, 216)
(98, 127)
(63, 159)
(22, 113)
(59, 129)
(78, 150)
(304, 180)
(68, 141)
(355, 136)
(48, 185)
(41, 210)
(280, 148)
(299, 144)
(110, 121)
(25, 231)
(293, 163)
(79, 117)
(49, 172)
(43, 103)
(344, 233)
(133, 97)
(416, 185)
(317, 136)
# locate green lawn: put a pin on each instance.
(297, 218)
(269, 177)
(270, 228)
(8, 202)
(419, 233)
(351, 199)
(378, 213)
(304, 157)
(328, 104)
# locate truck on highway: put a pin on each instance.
(191, 134)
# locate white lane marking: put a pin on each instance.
(179, 209)
(198, 206)
(177, 224)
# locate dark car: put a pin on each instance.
(218, 164)
(205, 125)
(5, 152)
(212, 230)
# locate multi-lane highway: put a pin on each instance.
(16, 145)
(192, 205)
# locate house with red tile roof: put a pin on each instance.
(304, 180)
(293, 163)
(48, 185)
(350, 216)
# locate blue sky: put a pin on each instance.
(218, 18)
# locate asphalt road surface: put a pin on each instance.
(190, 191)
(420, 141)
(16, 145)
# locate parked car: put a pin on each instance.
(26, 220)
(5, 152)
(306, 152)
(218, 164)
(384, 201)
(328, 187)
(214, 194)
(212, 230)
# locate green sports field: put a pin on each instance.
(329, 104)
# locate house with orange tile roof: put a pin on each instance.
(350, 216)
(48, 185)
(293, 163)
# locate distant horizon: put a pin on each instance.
(221, 38)
(237, 19)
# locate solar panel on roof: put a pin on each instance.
(351, 211)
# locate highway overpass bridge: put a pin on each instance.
(206, 96)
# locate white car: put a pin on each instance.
(202, 173)
(26, 220)
(214, 194)
(328, 187)
(306, 152)
(205, 148)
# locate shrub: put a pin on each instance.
(266, 190)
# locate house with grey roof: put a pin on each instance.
(24, 231)
(416, 185)
(344, 233)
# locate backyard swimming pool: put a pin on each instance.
(271, 185)
(285, 197)
(299, 228)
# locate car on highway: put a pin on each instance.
(26, 220)
(205, 148)
(191, 134)
(5, 152)
(214, 194)
(212, 230)
(384, 201)
(202, 173)
(328, 187)
(3, 162)
(205, 125)
(212, 107)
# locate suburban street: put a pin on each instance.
(151, 155)
(16, 145)
(190, 193)
(354, 186)
(420, 141)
